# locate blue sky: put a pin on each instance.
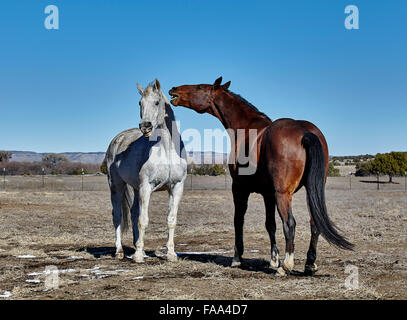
(74, 89)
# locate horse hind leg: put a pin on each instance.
(285, 211)
(116, 199)
(310, 265)
(270, 205)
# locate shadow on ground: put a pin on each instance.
(380, 182)
(253, 265)
(97, 252)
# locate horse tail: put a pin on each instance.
(315, 186)
(126, 205)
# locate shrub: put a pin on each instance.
(332, 171)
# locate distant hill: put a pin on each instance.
(84, 157)
(207, 157)
(97, 157)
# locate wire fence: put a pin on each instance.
(192, 182)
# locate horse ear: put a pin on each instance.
(140, 89)
(217, 83)
(157, 85)
(226, 85)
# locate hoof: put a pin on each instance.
(120, 255)
(172, 257)
(310, 270)
(236, 263)
(280, 272)
(287, 267)
(138, 258)
(275, 263)
(288, 263)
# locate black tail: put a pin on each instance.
(315, 185)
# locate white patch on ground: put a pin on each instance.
(33, 281)
(47, 272)
(26, 256)
(138, 278)
(6, 294)
(131, 256)
(95, 272)
(75, 257)
(254, 251)
(110, 272)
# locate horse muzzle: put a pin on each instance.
(174, 96)
(146, 128)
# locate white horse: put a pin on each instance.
(145, 160)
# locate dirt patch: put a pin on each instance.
(73, 232)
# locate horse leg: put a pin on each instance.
(240, 199)
(270, 204)
(175, 194)
(135, 212)
(285, 211)
(310, 266)
(144, 199)
(116, 195)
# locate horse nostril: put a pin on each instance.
(146, 125)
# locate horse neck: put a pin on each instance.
(170, 130)
(235, 114)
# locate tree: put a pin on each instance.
(391, 164)
(364, 169)
(206, 169)
(332, 171)
(53, 159)
(5, 156)
(103, 167)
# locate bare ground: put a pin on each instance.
(73, 231)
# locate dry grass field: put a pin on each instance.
(61, 226)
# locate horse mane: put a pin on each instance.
(248, 104)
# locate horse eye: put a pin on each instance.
(156, 103)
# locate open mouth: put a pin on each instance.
(148, 133)
(174, 97)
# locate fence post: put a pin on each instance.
(191, 176)
(82, 178)
(43, 181)
(378, 188)
(4, 179)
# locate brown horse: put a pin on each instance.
(286, 154)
